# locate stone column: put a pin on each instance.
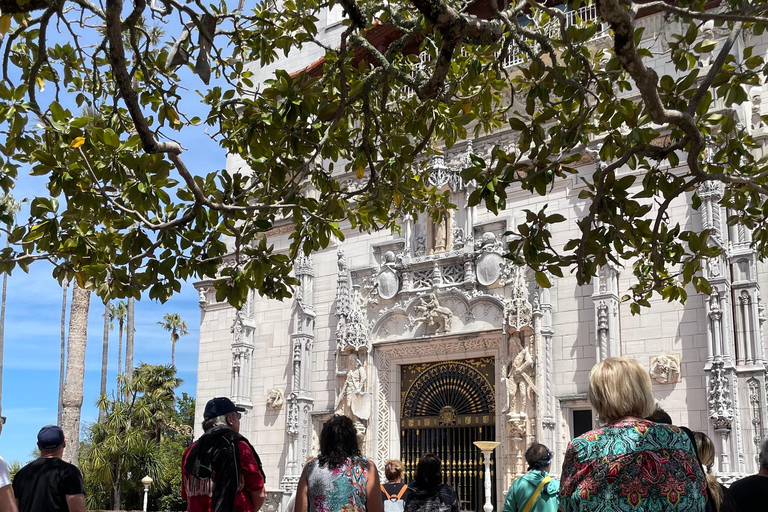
(300, 401)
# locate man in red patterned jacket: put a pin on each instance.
(221, 472)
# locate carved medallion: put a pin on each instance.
(489, 268)
(665, 369)
(388, 283)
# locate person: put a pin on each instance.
(659, 415)
(7, 498)
(49, 484)
(719, 498)
(221, 472)
(395, 492)
(428, 493)
(751, 493)
(339, 478)
(629, 463)
(535, 491)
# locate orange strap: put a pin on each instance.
(399, 494)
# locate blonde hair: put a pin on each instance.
(620, 387)
(706, 449)
(393, 469)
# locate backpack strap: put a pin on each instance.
(536, 493)
(399, 495)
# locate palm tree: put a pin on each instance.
(64, 286)
(127, 441)
(105, 353)
(72, 399)
(129, 341)
(118, 312)
(172, 322)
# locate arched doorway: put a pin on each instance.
(446, 406)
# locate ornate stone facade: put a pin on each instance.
(440, 291)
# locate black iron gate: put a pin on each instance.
(446, 406)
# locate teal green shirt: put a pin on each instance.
(524, 486)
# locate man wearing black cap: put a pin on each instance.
(49, 484)
(221, 472)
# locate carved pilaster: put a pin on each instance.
(300, 402)
(606, 303)
(242, 363)
(711, 193)
(543, 333)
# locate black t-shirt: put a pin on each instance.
(393, 490)
(750, 493)
(43, 484)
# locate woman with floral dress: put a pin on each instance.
(629, 464)
(340, 479)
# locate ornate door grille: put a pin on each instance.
(446, 407)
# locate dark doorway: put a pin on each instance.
(446, 406)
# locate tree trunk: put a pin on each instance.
(64, 286)
(119, 357)
(104, 358)
(116, 486)
(72, 400)
(129, 341)
(2, 332)
(173, 350)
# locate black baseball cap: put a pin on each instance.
(50, 437)
(220, 406)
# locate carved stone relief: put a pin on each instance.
(388, 283)
(488, 268)
(719, 398)
(665, 369)
(354, 400)
(517, 375)
(437, 319)
(275, 399)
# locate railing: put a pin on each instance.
(581, 16)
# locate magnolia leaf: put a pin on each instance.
(5, 23)
(77, 142)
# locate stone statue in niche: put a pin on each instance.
(517, 375)
(440, 239)
(275, 399)
(353, 400)
(665, 369)
(434, 315)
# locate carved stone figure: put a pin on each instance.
(517, 375)
(434, 315)
(440, 242)
(275, 399)
(665, 369)
(420, 248)
(517, 425)
(353, 400)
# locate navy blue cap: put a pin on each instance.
(220, 406)
(50, 437)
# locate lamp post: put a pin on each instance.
(146, 481)
(487, 447)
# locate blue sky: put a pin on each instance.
(33, 322)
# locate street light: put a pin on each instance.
(487, 447)
(146, 481)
